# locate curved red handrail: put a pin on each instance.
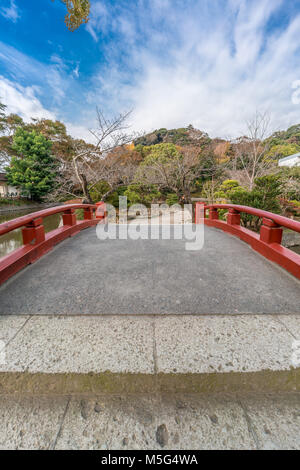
(36, 242)
(13, 224)
(267, 242)
(278, 219)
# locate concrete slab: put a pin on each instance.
(223, 343)
(274, 420)
(179, 422)
(30, 423)
(84, 275)
(155, 422)
(292, 324)
(10, 326)
(129, 354)
(56, 345)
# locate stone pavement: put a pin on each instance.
(129, 354)
(179, 421)
(84, 275)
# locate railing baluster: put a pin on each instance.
(213, 213)
(33, 232)
(199, 212)
(88, 213)
(270, 232)
(69, 217)
(233, 217)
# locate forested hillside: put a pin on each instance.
(172, 165)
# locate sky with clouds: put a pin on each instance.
(210, 63)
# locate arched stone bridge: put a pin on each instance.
(83, 275)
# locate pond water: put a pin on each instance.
(13, 240)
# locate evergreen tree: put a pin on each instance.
(33, 170)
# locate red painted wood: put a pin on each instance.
(33, 233)
(36, 243)
(268, 242)
(21, 221)
(101, 211)
(270, 233)
(278, 219)
(69, 217)
(233, 217)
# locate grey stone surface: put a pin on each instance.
(82, 345)
(257, 421)
(292, 324)
(156, 422)
(274, 421)
(145, 344)
(10, 326)
(129, 354)
(223, 343)
(30, 423)
(84, 275)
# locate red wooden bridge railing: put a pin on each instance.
(36, 242)
(267, 242)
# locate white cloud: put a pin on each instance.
(97, 21)
(80, 132)
(22, 67)
(76, 71)
(11, 12)
(210, 68)
(211, 64)
(22, 100)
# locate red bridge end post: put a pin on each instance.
(88, 213)
(69, 217)
(199, 212)
(233, 217)
(213, 213)
(270, 232)
(33, 232)
(101, 211)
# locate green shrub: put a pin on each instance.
(265, 196)
(172, 199)
(97, 191)
(142, 194)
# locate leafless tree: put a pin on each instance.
(103, 161)
(209, 189)
(251, 150)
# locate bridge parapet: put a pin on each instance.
(36, 243)
(267, 242)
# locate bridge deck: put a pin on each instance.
(83, 275)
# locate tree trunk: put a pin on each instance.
(86, 193)
(108, 193)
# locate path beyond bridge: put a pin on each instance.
(83, 275)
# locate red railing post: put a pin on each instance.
(69, 217)
(270, 232)
(88, 213)
(213, 213)
(199, 212)
(101, 212)
(33, 232)
(233, 217)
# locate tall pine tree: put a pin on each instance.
(33, 170)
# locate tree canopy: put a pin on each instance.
(33, 169)
(78, 13)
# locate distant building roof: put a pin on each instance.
(290, 157)
(3, 177)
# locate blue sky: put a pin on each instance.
(210, 63)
